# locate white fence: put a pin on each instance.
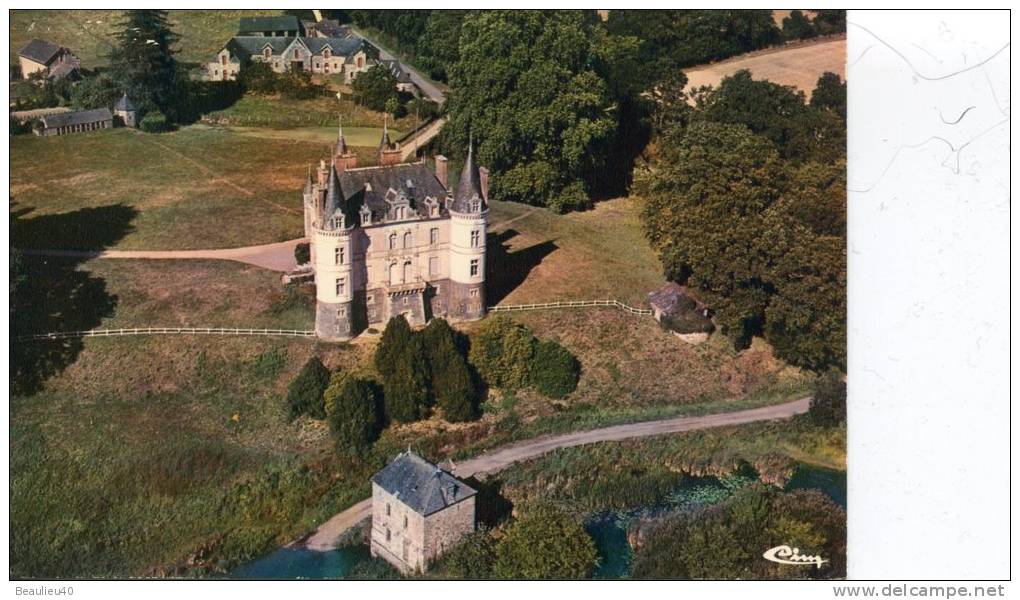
(58, 335)
(572, 304)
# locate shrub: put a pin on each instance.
(303, 253)
(554, 371)
(450, 380)
(305, 393)
(154, 122)
(545, 543)
(269, 364)
(502, 351)
(828, 406)
(19, 127)
(353, 415)
(471, 558)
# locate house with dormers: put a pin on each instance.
(346, 56)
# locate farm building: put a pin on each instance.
(282, 26)
(75, 122)
(340, 56)
(52, 60)
(679, 312)
(419, 511)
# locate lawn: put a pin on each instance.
(88, 33)
(199, 187)
(273, 112)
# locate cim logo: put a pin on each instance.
(786, 555)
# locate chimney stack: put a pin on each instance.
(483, 178)
(442, 170)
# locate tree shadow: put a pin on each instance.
(51, 294)
(506, 270)
(491, 506)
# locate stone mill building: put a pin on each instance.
(394, 240)
(419, 511)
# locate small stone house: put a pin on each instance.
(53, 60)
(75, 122)
(404, 82)
(127, 111)
(678, 311)
(419, 511)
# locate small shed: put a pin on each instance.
(75, 122)
(678, 311)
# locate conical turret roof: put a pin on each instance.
(334, 198)
(341, 143)
(469, 188)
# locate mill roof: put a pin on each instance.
(258, 24)
(41, 51)
(77, 118)
(422, 486)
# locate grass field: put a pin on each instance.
(199, 187)
(799, 65)
(88, 32)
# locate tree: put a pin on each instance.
(805, 234)
(830, 93)
(545, 543)
(354, 417)
(503, 352)
(797, 27)
(828, 405)
(95, 91)
(438, 47)
(703, 215)
(830, 21)
(450, 380)
(541, 115)
(258, 77)
(142, 63)
(305, 393)
(554, 371)
(400, 359)
(374, 87)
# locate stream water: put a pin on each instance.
(608, 530)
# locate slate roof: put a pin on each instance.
(259, 24)
(253, 44)
(469, 188)
(681, 311)
(125, 103)
(370, 186)
(398, 70)
(77, 118)
(65, 67)
(41, 51)
(422, 486)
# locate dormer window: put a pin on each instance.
(267, 52)
(325, 52)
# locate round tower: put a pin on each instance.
(334, 273)
(468, 214)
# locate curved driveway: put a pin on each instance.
(326, 535)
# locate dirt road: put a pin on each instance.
(276, 257)
(326, 535)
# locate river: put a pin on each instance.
(608, 530)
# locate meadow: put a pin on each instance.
(88, 33)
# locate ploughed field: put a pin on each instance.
(799, 65)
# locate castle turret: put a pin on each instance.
(334, 257)
(389, 153)
(468, 213)
(343, 158)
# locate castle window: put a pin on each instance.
(476, 237)
(387, 534)
(341, 312)
(474, 267)
(340, 286)
(387, 509)
(325, 53)
(370, 300)
(338, 256)
(393, 241)
(407, 239)
(405, 521)
(223, 59)
(433, 265)
(434, 236)
(474, 293)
